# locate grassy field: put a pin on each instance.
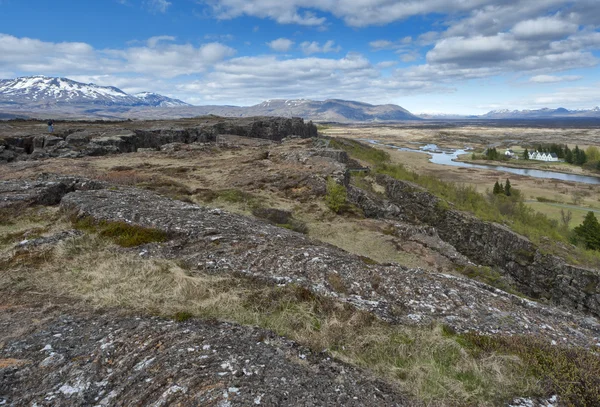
(430, 363)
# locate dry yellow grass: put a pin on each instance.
(426, 362)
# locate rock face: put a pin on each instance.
(536, 274)
(215, 241)
(73, 142)
(103, 359)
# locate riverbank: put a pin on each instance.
(561, 167)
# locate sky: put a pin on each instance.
(428, 56)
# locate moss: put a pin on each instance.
(182, 316)
(121, 233)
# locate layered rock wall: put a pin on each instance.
(535, 273)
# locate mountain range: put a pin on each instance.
(42, 96)
(33, 91)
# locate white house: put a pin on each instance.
(536, 155)
(509, 153)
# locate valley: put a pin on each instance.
(262, 227)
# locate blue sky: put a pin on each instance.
(462, 56)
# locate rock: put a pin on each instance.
(257, 249)
(50, 141)
(78, 138)
(535, 274)
(100, 358)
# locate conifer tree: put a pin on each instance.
(497, 188)
(507, 188)
(568, 155)
(526, 155)
(589, 231)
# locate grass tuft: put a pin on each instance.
(122, 233)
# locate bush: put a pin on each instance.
(336, 197)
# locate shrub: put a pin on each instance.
(336, 196)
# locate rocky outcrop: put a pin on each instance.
(215, 241)
(536, 274)
(46, 190)
(74, 143)
(74, 358)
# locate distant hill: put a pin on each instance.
(331, 110)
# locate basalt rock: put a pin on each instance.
(216, 241)
(111, 140)
(536, 274)
(74, 358)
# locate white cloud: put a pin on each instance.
(554, 79)
(74, 58)
(580, 97)
(153, 41)
(281, 44)
(381, 45)
(158, 6)
(248, 80)
(173, 59)
(544, 28)
(314, 47)
(386, 64)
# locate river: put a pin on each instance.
(449, 157)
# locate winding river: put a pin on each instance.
(449, 157)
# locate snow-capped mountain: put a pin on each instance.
(541, 113)
(32, 91)
(154, 99)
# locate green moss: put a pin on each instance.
(122, 233)
(182, 316)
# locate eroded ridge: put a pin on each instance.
(216, 241)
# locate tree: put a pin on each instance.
(589, 231)
(579, 157)
(507, 187)
(497, 188)
(568, 155)
(592, 153)
(565, 218)
(526, 155)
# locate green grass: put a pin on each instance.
(360, 151)
(121, 233)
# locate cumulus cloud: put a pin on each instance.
(249, 80)
(157, 58)
(554, 79)
(280, 44)
(354, 13)
(548, 28)
(314, 47)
